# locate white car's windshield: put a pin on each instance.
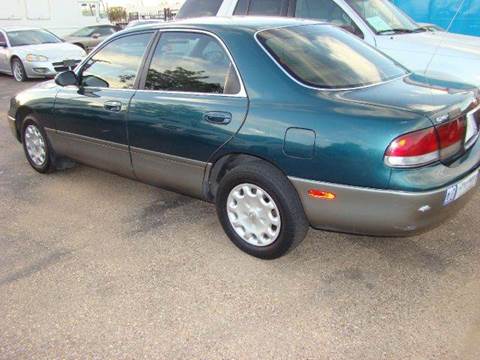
(384, 17)
(31, 37)
(84, 32)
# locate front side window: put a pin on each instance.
(327, 11)
(383, 16)
(31, 37)
(325, 57)
(116, 65)
(197, 8)
(2, 39)
(191, 62)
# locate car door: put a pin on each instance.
(4, 65)
(192, 102)
(91, 118)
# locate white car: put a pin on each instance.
(35, 53)
(440, 55)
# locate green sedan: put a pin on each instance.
(282, 123)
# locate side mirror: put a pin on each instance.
(66, 78)
(3, 44)
(95, 36)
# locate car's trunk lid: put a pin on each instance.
(440, 101)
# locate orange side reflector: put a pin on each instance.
(320, 194)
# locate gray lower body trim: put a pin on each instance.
(97, 153)
(169, 171)
(159, 169)
(376, 212)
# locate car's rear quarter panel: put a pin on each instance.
(350, 137)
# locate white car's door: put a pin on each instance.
(4, 66)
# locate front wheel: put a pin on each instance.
(18, 70)
(260, 211)
(36, 148)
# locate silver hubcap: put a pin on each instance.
(17, 71)
(35, 145)
(253, 214)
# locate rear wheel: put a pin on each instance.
(260, 211)
(18, 70)
(36, 147)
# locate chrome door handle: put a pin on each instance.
(218, 117)
(114, 106)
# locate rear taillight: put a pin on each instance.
(426, 146)
(451, 136)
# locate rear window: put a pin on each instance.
(197, 8)
(326, 57)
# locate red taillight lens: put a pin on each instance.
(426, 146)
(413, 149)
(451, 136)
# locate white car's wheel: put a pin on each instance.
(18, 70)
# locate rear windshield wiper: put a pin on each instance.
(395, 31)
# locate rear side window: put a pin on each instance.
(241, 7)
(191, 62)
(197, 8)
(328, 11)
(267, 7)
(325, 57)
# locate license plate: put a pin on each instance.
(456, 191)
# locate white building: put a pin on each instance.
(146, 6)
(62, 17)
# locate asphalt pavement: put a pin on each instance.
(93, 265)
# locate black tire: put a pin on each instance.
(21, 75)
(48, 165)
(294, 225)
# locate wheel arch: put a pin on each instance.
(13, 57)
(222, 165)
(21, 114)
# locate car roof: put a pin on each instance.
(247, 23)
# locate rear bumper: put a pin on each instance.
(377, 212)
